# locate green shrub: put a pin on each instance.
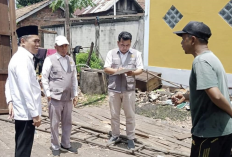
(95, 62)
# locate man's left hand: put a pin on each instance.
(75, 100)
(130, 73)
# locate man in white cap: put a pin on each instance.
(59, 80)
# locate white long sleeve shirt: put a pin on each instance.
(47, 69)
(7, 92)
(24, 90)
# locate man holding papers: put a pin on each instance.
(122, 64)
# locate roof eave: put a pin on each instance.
(33, 11)
(139, 5)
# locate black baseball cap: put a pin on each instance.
(27, 30)
(197, 29)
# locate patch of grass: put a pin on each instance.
(162, 112)
(95, 62)
(92, 100)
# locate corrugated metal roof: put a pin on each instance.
(103, 5)
(100, 6)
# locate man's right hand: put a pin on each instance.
(11, 111)
(36, 121)
(178, 98)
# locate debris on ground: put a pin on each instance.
(162, 97)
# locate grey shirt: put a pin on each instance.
(208, 120)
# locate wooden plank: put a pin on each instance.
(47, 31)
(3, 111)
(183, 136)
(4, 24)
(1, 54)
(3, 105)
(13, 26)
(159, 131)
(3, 32)
(140, 126)
(100, 17)
(154, 122)
(5, 50)
(2, 71)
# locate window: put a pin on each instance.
(226, 13)
(172, 17)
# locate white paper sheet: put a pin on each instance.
(123, 71)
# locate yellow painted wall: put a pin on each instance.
(164, 47)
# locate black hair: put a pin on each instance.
(201, 41)
(124, 36)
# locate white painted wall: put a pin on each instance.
(83, 35)
(180, 76)
(49, 39)
(146, 32)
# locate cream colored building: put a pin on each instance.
(162, 49)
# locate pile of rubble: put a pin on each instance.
(161, 96)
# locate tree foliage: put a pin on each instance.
(73, 4)
(23, 3)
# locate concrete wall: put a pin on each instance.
(85, 34)
(49, 39)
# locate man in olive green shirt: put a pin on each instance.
(209, 96)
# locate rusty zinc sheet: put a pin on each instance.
(101, 6)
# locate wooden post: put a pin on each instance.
(125, 5)
(67, 23)
(147, 80)
(97, 34)
(115, 9)
(90, 53)
(13, 26)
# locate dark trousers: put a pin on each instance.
(24, 136)
(211, 147)
(40, 63)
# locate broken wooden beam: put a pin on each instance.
(90, 54)
(47, 31)
(175, 84)
(100, 17)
